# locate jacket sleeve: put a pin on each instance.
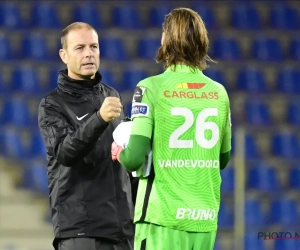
(62, 141)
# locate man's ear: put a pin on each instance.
(63, 55)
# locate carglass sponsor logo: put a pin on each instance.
(191, 95)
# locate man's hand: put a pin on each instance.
(115, 151)
(111, 108)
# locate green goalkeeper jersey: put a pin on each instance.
(189, 117)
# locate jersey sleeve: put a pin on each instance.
(142, 115)
(226, 142)
(142, 112)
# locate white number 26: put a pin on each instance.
(201, 126)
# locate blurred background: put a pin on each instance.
(257, 47)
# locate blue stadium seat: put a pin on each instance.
(35, 178)
(227, 175)
(288, 81)
(252, 151)
(251, 148)
(11, 144)
(254, 214)
(127, 108)
(87, 13)
(34, 46)
(207, 16)
(147, 48)
(294, 177)
(126, 17)
(44, 15)
(225, 216)
(251, 80)
(284, 212)
(108, 78)
(10, 16)
(6, 52)
(157, 15)
(293, 114)
(131, 78)
(25, 80)
(284, 17)
(3, 87)
(37, 146)
(288, 244)
(253, 243)
(285, 145)
(226, 49)
(53, 76)
(295, 49)
(16, 112)
(257, 112)
(112, 49)
(263, 178)
(54, 52)
(216, 75)
(233, 144)
(267, 49)
(245, 16)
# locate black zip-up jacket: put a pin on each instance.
(90, 195)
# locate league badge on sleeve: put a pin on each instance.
(138, 94)
(140, 109)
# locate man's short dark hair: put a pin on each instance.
(73, 26)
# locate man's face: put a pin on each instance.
(82, 54)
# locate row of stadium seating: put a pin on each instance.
(243, 16)
(26, 79)
(260, 177)
(282, 144)
(263, 178)
(34, 46)
(283, 211)
(19, 110)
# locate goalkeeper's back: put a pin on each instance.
(185, 117)
(190, 113)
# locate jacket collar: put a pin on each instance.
(71, 85)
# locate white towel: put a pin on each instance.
(121, 136)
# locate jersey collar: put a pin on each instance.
(184, 68)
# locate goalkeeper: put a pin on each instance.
(185, 117)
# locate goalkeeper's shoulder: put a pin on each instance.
(220, 87)
(146, 88)
(150, 81)
(221, 90)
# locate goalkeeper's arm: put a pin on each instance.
(133, 156)
(224, 159)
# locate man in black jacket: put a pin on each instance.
(90, 195)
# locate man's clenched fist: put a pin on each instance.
(110, 109)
